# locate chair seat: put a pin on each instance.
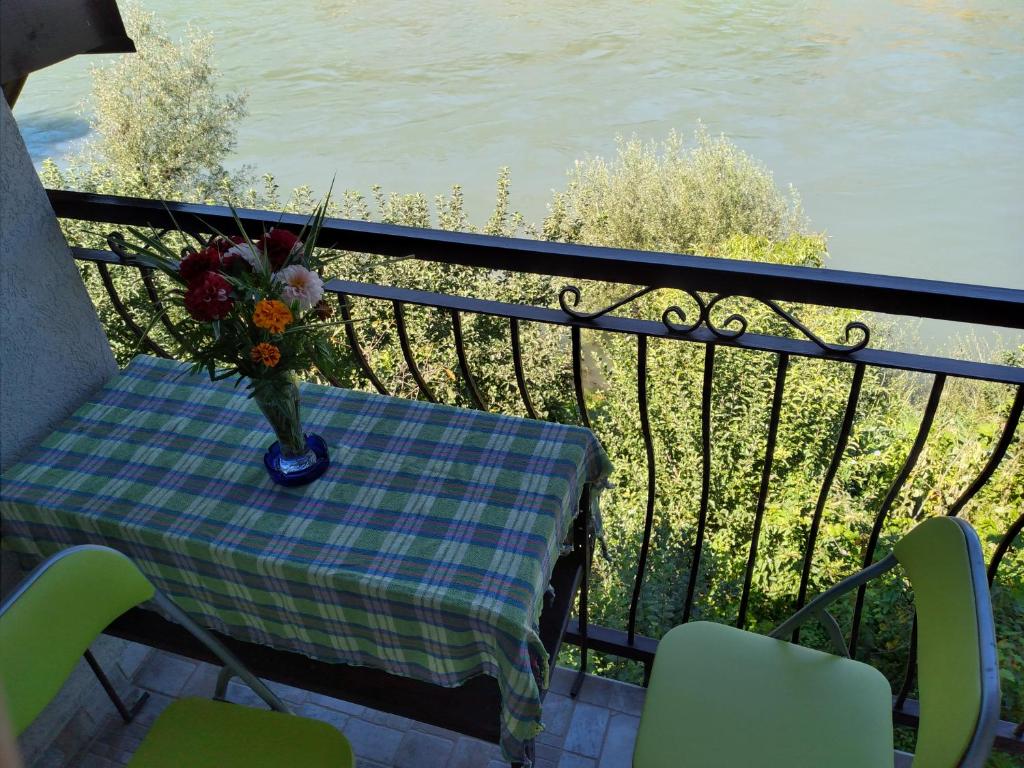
(720, 696)
(200, 733)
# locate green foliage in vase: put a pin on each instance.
(707, 197)
(247, 307)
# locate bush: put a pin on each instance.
(666, 197)
(159, 127)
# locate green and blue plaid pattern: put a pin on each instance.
(425, 549)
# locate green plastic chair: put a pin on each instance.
(720, 696)
(60, 608)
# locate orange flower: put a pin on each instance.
(272, 315)
(265, 353)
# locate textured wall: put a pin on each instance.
(53, 353)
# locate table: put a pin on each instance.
(424, 552)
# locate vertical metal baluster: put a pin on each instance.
(356, 347)
(577, 375)
(460, 349)
(517, 360)
(645, 428)
(583, 524)
(334, 381)
(994, 459)
(705, 484)
(766, 475)
(908, 673)
(125, 315)
(997, 454)
(894, 490)
(993, 566)
(403, 338)
(826, 486)
(1004, 546)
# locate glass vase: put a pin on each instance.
(296, 458)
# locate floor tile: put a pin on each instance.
(165, 674)
(612, 694)
(202, 682)
(586, 730)
(421, 750)
(240, 693)
(339, 704)
(557, 713)
(372, 741)
(133, 658)
(597, 731)
(473, 753)
(288, 693)
(331, 716)
(619, 741)
(576, 761)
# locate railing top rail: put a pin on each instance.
(907, 361)
(986, 305)
(1003, 374)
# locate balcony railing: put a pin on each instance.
(707, 282)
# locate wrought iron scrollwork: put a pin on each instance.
(577, 294)
(732, 327)
(116, 243)
(675, 318)
(722, 331)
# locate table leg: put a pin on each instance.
(220, 693)
(582, 536)
(531, 755)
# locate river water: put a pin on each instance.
(900, 122)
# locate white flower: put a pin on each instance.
(245, 251)
(300, 285)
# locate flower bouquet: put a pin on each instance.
(253, 308)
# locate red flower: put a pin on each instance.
(198, 263)
(209, 297)
(279, 245)
(222, 244)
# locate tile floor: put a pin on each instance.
(596, 730)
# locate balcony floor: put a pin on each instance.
(597, 730)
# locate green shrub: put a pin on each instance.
(667, 197)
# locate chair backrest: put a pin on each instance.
(958, 671)
(52, 618)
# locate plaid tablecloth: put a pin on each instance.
(425, 549)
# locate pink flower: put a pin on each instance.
(301, 286)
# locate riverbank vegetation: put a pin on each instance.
(162, 129)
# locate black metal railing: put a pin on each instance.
(706, 282)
